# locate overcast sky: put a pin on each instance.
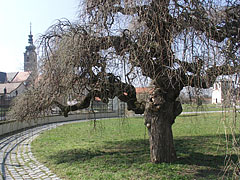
(15, 18)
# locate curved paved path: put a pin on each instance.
(17, 160)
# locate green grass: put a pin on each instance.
(204, 107)
(119, 149)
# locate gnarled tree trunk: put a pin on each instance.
(159, 117)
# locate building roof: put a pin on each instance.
(21, 77)
(11, 76)
(140, 90)
(9, 87)
(97, 99)
(13, 80)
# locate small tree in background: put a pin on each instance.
(116, 43)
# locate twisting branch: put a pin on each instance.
(112, 87)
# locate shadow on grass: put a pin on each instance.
(112, 152)
(189, 115)
(126, 153)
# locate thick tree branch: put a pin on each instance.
(194, 67)
(111, 88)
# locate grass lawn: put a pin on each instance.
(204, 107)
(119, 149)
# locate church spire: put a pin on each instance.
(30, 56)
(30, 36)
(30, 28)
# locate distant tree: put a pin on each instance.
(172, 43)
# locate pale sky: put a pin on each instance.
(15, 18)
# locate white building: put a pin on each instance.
(222, 91)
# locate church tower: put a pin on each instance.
(30, 56)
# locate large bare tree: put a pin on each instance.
(172, 43)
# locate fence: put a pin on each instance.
(96, 107)
(5, 102)
(10, 126)
(113, 109)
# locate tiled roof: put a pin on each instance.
(143, 90)
(9, 86)
(21, 77)
(97, 99)
(11, 76)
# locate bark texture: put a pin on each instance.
(159, 118)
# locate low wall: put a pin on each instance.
(13, 125)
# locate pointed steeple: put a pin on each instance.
(30, 56)
(31, 46)
(30, 36)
